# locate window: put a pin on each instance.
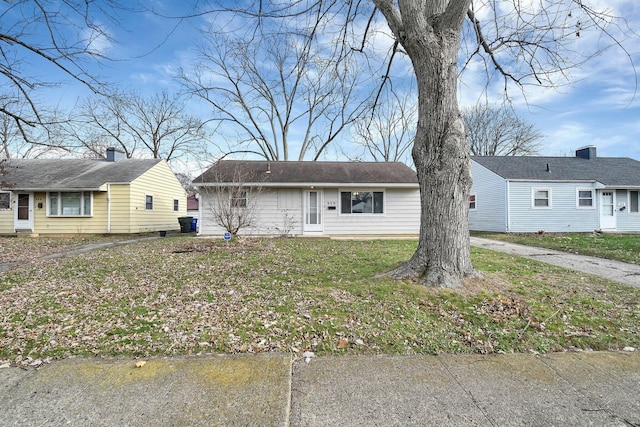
(585, 199)
(472, 202)
(176, 205)
(633, 201)
(358, 202)
(77, 203)
(5, 201)
(238, 199)
(148, 202)
(541, 198)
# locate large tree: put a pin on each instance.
(530, 42)
(44, 43)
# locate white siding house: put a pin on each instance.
(329, 199)
(555, 194)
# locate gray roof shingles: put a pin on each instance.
(71, 174)
(228, 171)
(610, 171)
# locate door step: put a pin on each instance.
(25, 232)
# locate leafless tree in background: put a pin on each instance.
(499, 131)
(156, 126)
(264, 85)
(386, 132)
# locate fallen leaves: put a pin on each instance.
(192, 296)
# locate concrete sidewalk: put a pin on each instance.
(561, 389)
(622, 272)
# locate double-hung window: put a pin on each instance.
(585, 198)
(472, 202)
(238, 198)
(76, 203)
(541, 198)
(361, 202)
(148, 202)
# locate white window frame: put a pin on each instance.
(60, 214)
(592, 198)
(534, 190)
(475, 201)
(358, 190)
(238, 198)
(152, 202)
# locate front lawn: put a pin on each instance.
(186, 296)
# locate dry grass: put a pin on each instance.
(188, 296)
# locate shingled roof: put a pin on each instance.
(71, 174)
(610, 171)
(326, 173)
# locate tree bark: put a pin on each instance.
(431, 39)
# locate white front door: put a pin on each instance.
(23, 211)
(313, 211)
(607, 210)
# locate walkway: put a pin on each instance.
(618, 271)
(558, 389)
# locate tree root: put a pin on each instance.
(439, 278)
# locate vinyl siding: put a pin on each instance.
(6, 220)
(626, 221)
(272, 207)
(563, 216)
(401, 214)
(95, 224)
(491, 208)
(120, 209)
(160, 182)
(401, 217)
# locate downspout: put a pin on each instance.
(508, 208)
(199, 215)
(108, 207)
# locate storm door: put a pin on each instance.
(607, 210)
(313, 211)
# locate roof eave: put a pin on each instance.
(310, 184)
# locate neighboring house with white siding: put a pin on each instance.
(524, 194)
(80, 196)
(329, 199)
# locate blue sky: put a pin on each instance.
(601, 106)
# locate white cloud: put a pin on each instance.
(96, 39)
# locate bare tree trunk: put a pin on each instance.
(441, 157)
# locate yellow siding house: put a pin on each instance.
(69, 196)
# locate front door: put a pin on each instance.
(313, 211)
(607, 210)
(23, 216)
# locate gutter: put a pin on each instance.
(308, 184)
(108, 207)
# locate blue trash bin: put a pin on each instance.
(194, 224)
